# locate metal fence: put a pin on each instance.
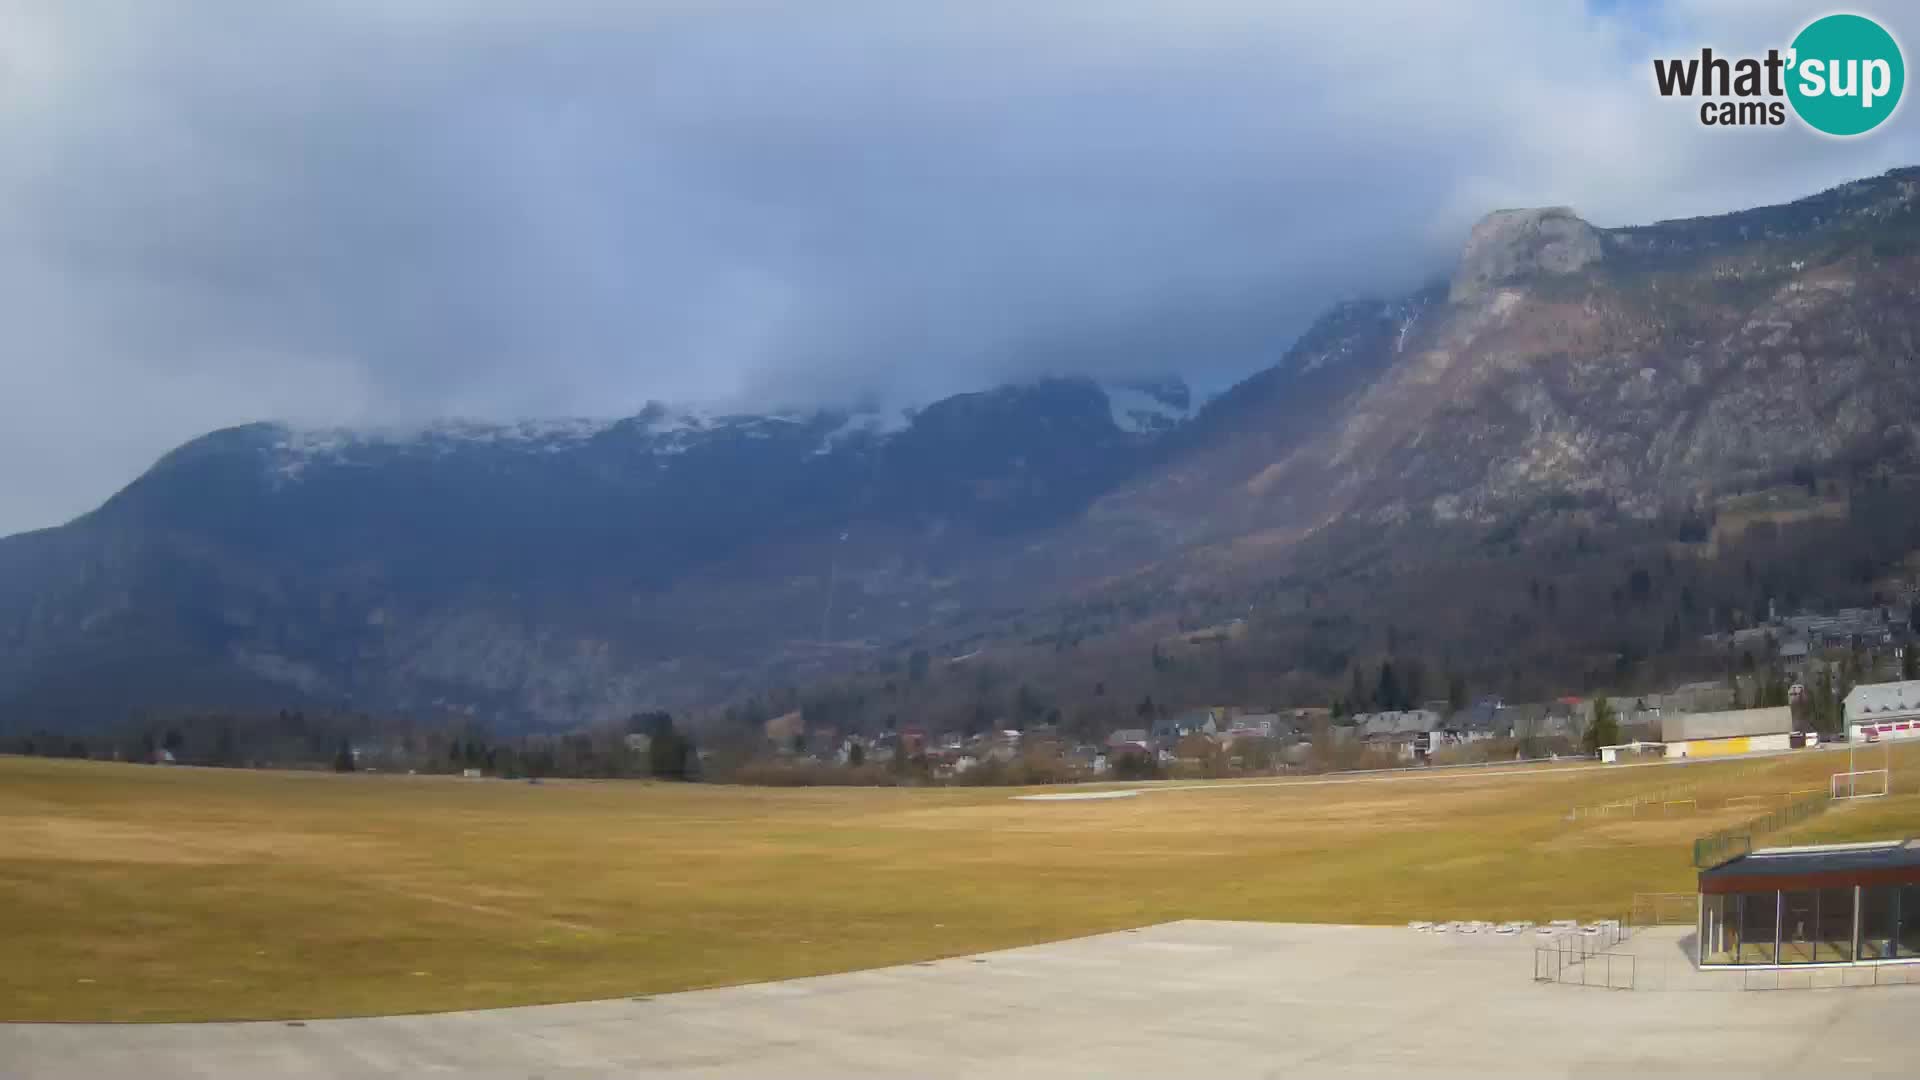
(1631, 806)
(1606, 970)
(1662, 801)
(1666, 909)
(1719, 847)
(1567, 958)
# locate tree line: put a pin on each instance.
(358, 741)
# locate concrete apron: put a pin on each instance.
(1212, 998)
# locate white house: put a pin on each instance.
(1883, 711)
(1408, 732)
(1254, 726)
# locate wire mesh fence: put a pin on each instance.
(1732, 842)
(1566, 958)
(1666, 909)
(1667, 801)
(1646, 802)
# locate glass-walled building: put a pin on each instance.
(1835, 904)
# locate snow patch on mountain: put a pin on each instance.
(1149, 405)
(1141, 406)
(872, 423)
(295, 449)
(675, 431)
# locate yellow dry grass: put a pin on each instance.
(140, 893)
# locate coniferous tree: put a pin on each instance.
(1386, 692)
(1605, 729)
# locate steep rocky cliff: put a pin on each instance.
(1644, 365)
(1515, 245)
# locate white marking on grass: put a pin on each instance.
(1544, 770)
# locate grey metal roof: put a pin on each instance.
(1409, 722)
(1824, 859)
(1480, 717)
(1681, 727)
(1866, 702)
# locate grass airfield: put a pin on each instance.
(142, 893)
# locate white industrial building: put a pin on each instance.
(1883, 711)
(1736, 731)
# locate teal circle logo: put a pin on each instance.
(1846, 75)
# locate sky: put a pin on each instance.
(377, 212)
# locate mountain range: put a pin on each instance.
(1614, 381)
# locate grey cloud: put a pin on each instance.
(373, 212)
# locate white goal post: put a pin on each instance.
(1865, 784)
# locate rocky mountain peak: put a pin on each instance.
(1511, 244)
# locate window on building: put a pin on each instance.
(1879, 921)
(1720, 928)
(1834, 940)
(1757, 924)
(1909, 916)
(1799, 924)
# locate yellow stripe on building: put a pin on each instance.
(1719, 747)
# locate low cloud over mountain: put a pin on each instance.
(364, 212)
